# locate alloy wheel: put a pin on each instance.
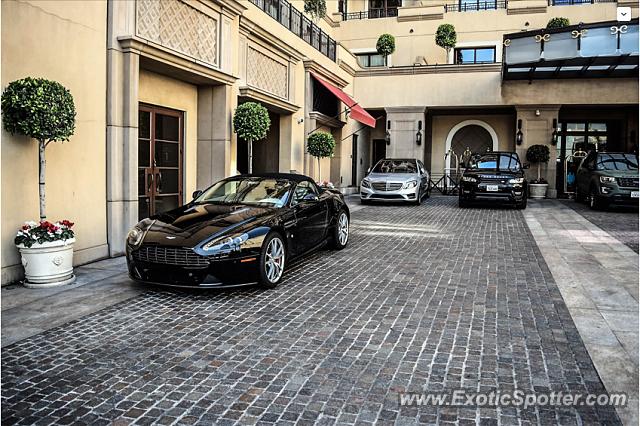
(274, 263)
(343, 228)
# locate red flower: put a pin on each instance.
(67, 223)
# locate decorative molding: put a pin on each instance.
(429, 69)
(325, 120)
(421, 17)
(526, 10)
(277, 104)
(351, 71)
(256, 33)
(311, 65)
(267, 74)
(180, 27)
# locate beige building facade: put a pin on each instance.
(156, 83)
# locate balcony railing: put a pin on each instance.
(468, 6)
(370, 14)
(574, 2)
(292, 19)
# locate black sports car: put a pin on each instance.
(496, 176)
(242, 230)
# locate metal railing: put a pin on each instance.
(574, 2)
(468, 6)
(370, 14)
(292, 19)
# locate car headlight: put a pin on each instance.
(410, 184)
(134, 238)
(516, 180)
(607, 179)
(469, 179)
(226, 244)
(366, 183)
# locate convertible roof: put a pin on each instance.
(289, 176)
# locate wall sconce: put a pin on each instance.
(554, 135)
(519, 133)
(387, 134)
(537, 113)
(419, 134)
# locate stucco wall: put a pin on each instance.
(62, 41)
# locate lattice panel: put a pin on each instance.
(267, 74)
(180, 27)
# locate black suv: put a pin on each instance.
(605, 178)
(497, 176)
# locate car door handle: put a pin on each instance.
(290, 224)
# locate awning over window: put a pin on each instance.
(357, 112)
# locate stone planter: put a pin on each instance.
(538, 190)
(48, 264)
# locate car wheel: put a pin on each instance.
(272, 260)
(340, 235)
(595, 203)
(463, 203)
(522, 204)
(579, 196)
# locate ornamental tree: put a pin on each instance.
(251, 123)
(42, 110)
(538, 154)
(321, 145)
(386, 45)
(316, 8)
(557, 22)
(446, 37)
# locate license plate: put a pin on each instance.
(492, 188)
(635, 194)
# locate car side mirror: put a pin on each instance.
(310, 197)
(526, 166)
(369, 170)
(196, 193)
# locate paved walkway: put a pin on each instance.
(423, 299)
(598, 277)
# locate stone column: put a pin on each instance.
(404, 126)
(285, 160)
(537, 129)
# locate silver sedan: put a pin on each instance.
(395, 180)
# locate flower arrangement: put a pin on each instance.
(44, 231)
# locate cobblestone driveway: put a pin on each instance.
(423, 298)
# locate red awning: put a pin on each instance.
(357, 112)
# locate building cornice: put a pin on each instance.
(252, 30)
(526, 10)
(278, 104)
(325, 120)
(311, 65)
(429, 69)
(351, 71)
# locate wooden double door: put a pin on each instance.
(160, 160)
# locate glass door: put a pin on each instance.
(160, 150)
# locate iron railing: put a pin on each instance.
(574, 2)
(292, 19)
(370, 14)
(468, 6)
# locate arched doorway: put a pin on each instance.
(472, 135)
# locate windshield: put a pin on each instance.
(396, 166)
(617, 162)
(250, 190)
(502, 162)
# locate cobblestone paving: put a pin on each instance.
(423, 299)
(620, 222)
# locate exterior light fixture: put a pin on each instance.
(519, 133)
(419, 134)
(387, 134)
(554, 135)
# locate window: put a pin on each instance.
(396, 166)
(475, 55)
(303, 189)
(367, 60)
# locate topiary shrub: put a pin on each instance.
(321, 145)
(40, 109)
(538, 154)
(316, 8)
(386, 45)
(251, 123)
(557, 22)
(446, 37)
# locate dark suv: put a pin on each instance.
(496, 176)
(605, 178)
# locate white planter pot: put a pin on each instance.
(538, 190)
(48, 264)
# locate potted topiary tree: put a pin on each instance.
(321, 145)
(251, 122)
(386, 45)
(446, 37)
(557, 22)
(316, 8)
(42, 110)
(538, 154)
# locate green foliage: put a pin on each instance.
(557, 22)
(321, 144)
(386, 45)
(251, 121)
(316, 8)
(446, 36)
(38, 108)
(538, 154)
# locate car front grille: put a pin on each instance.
(386, 186)
(170, 256)
(628, 182)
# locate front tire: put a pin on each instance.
(462, 203)
(340, 235)
(272, 260)
(595, 203)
